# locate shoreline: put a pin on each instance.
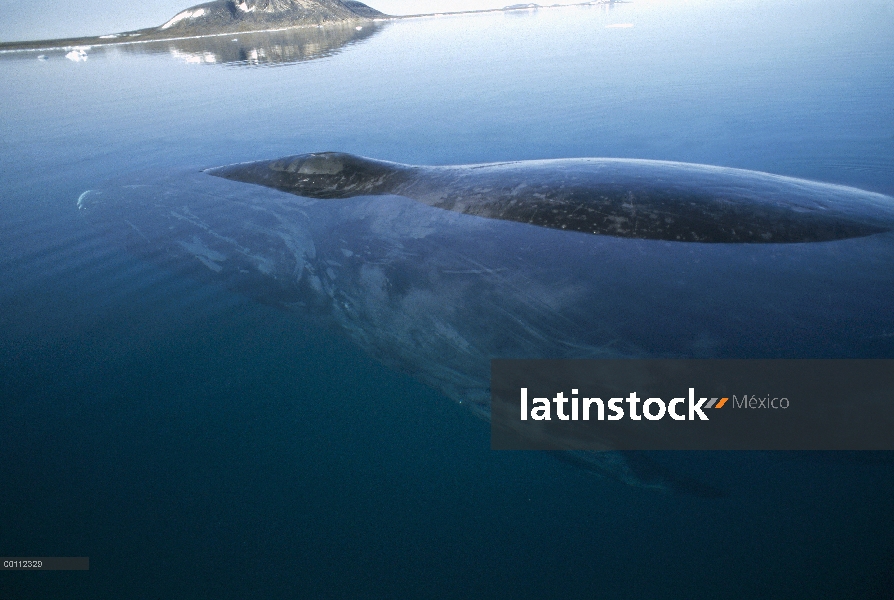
(88, 42)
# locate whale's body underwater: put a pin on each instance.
(585, 258)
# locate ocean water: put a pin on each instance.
(195, 443)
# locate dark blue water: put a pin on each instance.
(196, 444)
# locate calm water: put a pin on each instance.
(196, 444)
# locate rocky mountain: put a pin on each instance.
(224, 16)
(277, 47)
(241, 16)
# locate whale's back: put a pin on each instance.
(641, 199)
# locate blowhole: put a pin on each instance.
(322, 164)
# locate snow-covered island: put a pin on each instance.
(225, 17)
(222, 17)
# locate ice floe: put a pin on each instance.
(77, 55)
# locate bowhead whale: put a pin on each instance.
(645, 199)
(687, 261)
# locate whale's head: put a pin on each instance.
(320, 175)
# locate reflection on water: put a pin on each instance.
(262, 48)
(267, 48)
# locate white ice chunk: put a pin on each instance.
(77, 55)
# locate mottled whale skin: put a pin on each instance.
(645, 199)
(438, 293)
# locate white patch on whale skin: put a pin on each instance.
(619, 26)
(395, 218)
(451, 336)
(208, 257)
(263, 264)
(136, 229)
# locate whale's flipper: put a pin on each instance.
(643, 199)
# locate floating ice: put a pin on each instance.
(77, 55)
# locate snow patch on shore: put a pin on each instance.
(186, 14)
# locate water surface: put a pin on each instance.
(196, 444)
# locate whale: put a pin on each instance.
(435, 271)
(645, 199)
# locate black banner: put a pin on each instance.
(45, 563)
(692, 404)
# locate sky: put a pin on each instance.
(48, 19)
